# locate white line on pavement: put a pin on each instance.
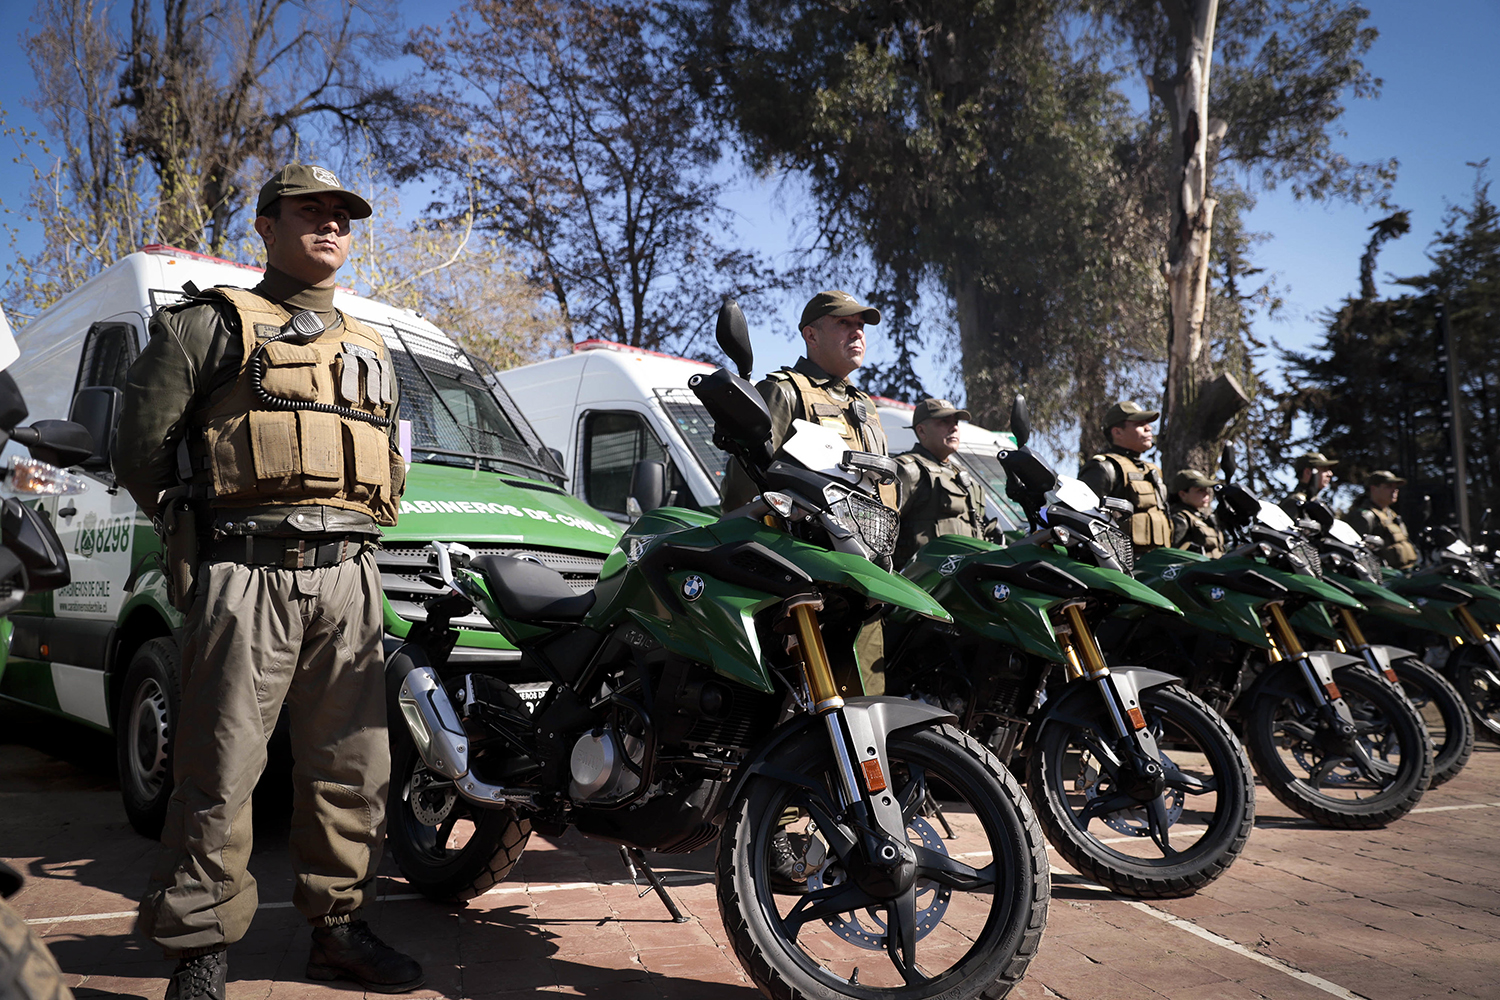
(1475, 805)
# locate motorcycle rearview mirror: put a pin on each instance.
(1319, 513)
(12, 404)
(1020, 422)
(733, 335)
(740, 415)
(1239, 503)
(1226, 462)
(62, 443)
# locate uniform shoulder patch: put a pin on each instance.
(780, 375)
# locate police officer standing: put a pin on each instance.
(1195, 527)
(817, 389)
(1376, 515)
(1119, 471)
(259, 425)
(1314, 473)
(938, 497)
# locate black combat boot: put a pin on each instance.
(200, 977)
(788, 867)
(352, 951)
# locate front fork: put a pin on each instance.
(1360, 646)
(863, 785)
(1085, 661)
(1478, 637)
(1286, 646)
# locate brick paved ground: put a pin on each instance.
(1397, 914)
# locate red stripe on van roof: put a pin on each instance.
(598, 344)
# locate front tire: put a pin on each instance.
(1316, 777)
(1443, 712)
(145, 731)
(448, 848)
(1477, 680)
(983, 950)
(1131, 849)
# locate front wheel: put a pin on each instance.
(448, 848)
(1443, 712)
(1358, 781)
(1112, 828)
(965, 921)
(1478, 682)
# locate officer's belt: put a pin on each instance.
(288, 553)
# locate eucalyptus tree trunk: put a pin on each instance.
(1198, 405)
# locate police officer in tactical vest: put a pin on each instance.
(1119, 471)
(258, 427)
(817, 389)
(1194, 525)
(1376, 515)
(1314, 473)
(938, 496)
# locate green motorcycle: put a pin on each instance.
(1138, 784)
(1331, 740)
(1349, 563)
(694, 696)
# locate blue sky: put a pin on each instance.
(1440, 108)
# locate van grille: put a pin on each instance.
(402, 563)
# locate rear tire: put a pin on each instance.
(1473, 676)
(423, 818)
(1443, 712)
(1283, 724)
(145, 731)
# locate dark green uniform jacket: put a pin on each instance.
(1194, 530)
(194, 353)
(937, 498)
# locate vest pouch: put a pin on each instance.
(274, 448)
(295, 371)
(952, 499)
(369, 468)
(322, 444)
(229, 457)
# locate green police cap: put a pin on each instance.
(1315, 460)
(930, 409)
(836, 303)
(1384, 477)
(1186, 479)
(1127, 411)
(301, 178)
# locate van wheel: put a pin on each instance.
(144, 728)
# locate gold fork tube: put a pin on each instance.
(1352, 627)
(1281, 632)
(1467, 620)
(815, 667)
(1085, 644)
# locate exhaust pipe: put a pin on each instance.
(441, 741)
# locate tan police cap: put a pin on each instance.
(1315, 460)
(1127, 411)
(1384, 477)
(930, 409)
(301, 178)
(836, 303)
(1186, 479)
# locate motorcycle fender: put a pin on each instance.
(1385, 656)
(871, 719)
(1128, 681)
(1325, 662)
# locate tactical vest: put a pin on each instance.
(1202, 533)
(941, 505)
(821, 407)
(1149, 525)
(255, 452)
(1398, 551)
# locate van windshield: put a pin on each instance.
(459, 416)
(697, 428)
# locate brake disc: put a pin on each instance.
(1134, 821)
(866, 928)
(431, 801)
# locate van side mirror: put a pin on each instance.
(97, 408)
(648, 487)
(733, 335)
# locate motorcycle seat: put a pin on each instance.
(528, 591)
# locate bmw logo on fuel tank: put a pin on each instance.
(1216, 593)
(692, 587)
(1001, 593)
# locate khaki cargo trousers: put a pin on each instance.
(256, 638)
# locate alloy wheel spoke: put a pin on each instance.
(1160, 826)
(1104, 805)
(945, 870)
(1190, 783)
(901, 936)
(827, 902)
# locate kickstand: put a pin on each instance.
(634, 859)
(937, 810)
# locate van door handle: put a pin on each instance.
(68, 512)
